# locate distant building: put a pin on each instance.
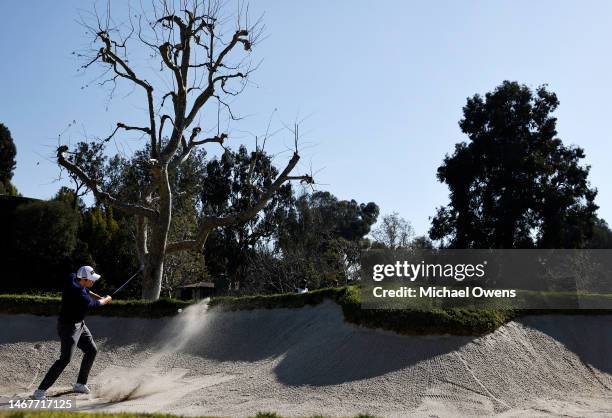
(195, 291)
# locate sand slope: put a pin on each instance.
(308, 361)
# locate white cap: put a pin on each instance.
(87, 272)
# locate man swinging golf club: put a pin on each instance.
(76, 300)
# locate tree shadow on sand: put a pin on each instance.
(588, 336)
(315, 345)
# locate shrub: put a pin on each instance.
(49, 305)
(44, 237)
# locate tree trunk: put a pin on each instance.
(154, 267)
(154, 210)
(152, 278)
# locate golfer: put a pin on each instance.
(76, 300)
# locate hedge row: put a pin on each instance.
(413, 322)
(50, 305)
(410, 322)
(280, 300)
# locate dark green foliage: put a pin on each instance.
(318, 235)
(9, 262)
(89, 156)
(107, 244)
(448, 321)
(514, 184)
(8, 151)
(44, 237)
(283, 300)
(312, 238)
(126, 179)
(451, 321)
(49, 306)
(68, 195)
(320, 216)
(8, 204)
(422, 242)
(129, 180)
(321, 235)
(315, 243)
(602, 236)
(456, 321)
(49, 240)
(7, 188)
(233, 183)
(408, 322)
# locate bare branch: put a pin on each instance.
(133, 128)
(239, 37)
(161, 124)
(109, 57)
(304, 179)
(165, 96)
(123, 70)
(101, 195)
(228, 107)
(164, 50)
(188, 147)
(217, 138)
(108, 138)
(209, 223)
(169, 20)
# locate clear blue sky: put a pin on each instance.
(382, 85)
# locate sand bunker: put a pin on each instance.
(308, 361)
(120, 384)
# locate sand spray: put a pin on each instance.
(117, 384)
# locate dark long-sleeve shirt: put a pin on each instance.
(75, 301)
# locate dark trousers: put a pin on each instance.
(72, 336)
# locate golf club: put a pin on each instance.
(126, 282)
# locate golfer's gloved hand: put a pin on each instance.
(106, 300)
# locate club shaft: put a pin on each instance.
(126, 282)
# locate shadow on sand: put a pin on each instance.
(313, 345)
(588, 336)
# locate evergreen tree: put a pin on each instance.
(8, 151)
(514, 184)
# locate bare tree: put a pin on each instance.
(393, 231)
(204, 64)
